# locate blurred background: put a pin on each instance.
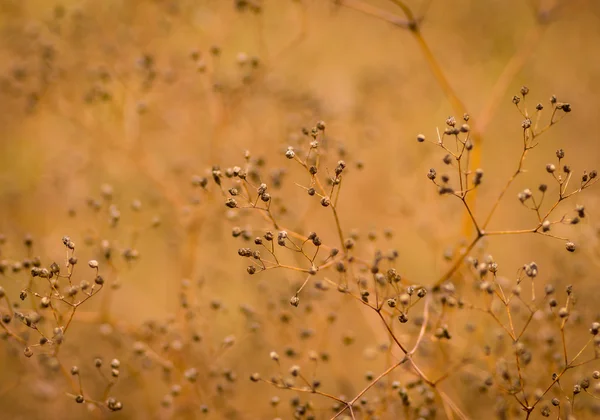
(114, 106)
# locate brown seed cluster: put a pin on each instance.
(341, 302)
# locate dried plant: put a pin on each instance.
(172, 137)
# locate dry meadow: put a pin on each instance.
(299, 209)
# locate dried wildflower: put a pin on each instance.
(431, 174)
(295, 370)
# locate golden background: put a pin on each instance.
(128, 94)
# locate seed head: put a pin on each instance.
(431, 174)
(546, 226)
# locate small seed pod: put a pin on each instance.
(478, 176)
(295, 370)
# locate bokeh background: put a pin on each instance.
(139, 96)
